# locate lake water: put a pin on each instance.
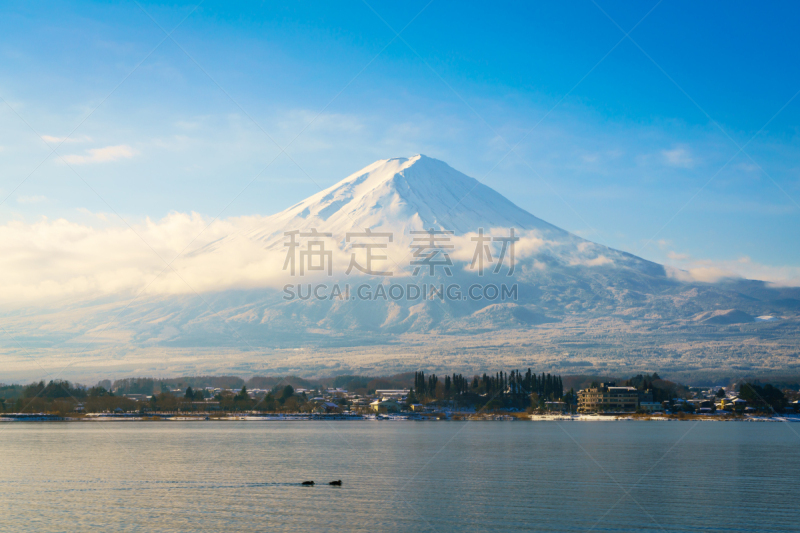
(400, 476)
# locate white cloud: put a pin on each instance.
(85, 211)
(52, 260)
(710, 271)
(55, 259)
(678, 157)
(530, 243)
(708, 274)
(58, 140)
(600, 260)
(101, 155)
(674, 256)
(31, 199)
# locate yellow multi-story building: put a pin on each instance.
(608, 398)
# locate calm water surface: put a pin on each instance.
(400, 476)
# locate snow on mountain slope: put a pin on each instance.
(400, 195)
(229, 293)
(406, 195)
(403, 195)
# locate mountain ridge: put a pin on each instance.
(401, 193)
(578, 304)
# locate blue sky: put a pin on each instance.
(633, 143)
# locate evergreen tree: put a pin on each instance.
(412, 398)
(288, 392)
(242, 395)
(420, 383)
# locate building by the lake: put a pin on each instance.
(607, 397)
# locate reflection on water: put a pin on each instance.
(399, 476)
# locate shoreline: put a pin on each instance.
(436, 417)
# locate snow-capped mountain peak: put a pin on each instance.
(401, 195)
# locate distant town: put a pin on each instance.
(512, 395)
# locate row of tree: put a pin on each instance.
(62, 389)
(512, 389)
(502, 389)
(62, 397)
(763, 397)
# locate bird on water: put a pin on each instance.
(337, 483)
(308, 483)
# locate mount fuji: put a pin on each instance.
(555, 272)
(410, 194)
(404, 195)
(407, 194)
(569, 304)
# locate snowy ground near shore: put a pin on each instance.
(664, 418)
